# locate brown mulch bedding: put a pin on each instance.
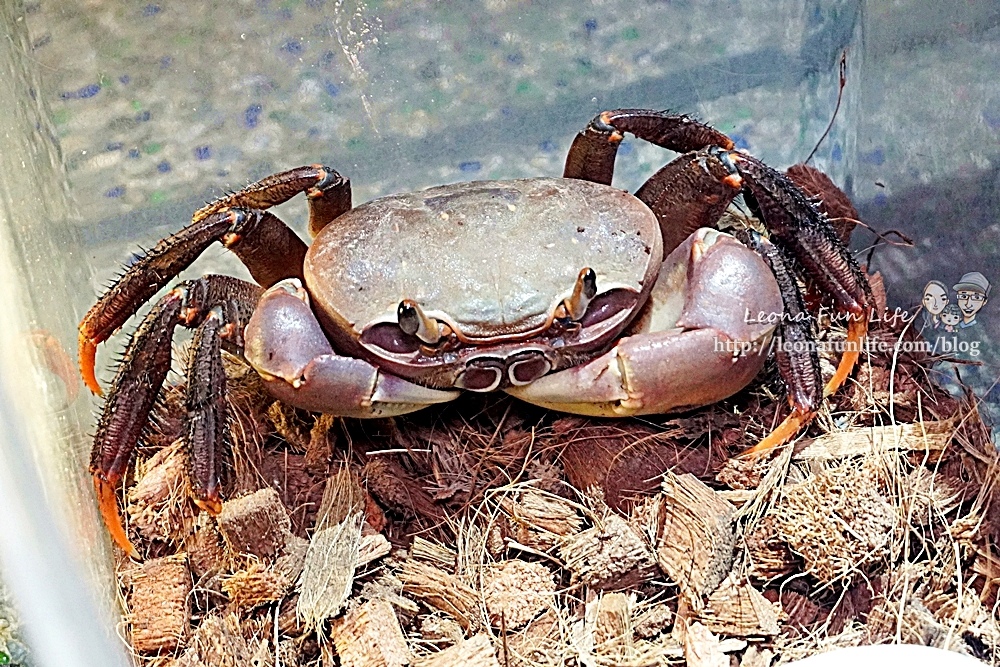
(492, 532)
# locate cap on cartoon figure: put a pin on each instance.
(973, 282)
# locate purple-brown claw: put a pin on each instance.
(287, 347)
(700, 341)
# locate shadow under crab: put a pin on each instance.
(554, 290)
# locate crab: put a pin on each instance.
(564, 292)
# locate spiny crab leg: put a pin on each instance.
(592, 155)
(800, 370)
(220, 307)
(795, 224)
(270, 250)
(141, 281)
(123, 421)
(798, 228)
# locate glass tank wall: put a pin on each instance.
(129, 115)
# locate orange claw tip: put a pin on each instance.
(230, 239)
(211, 505)
(107, 502)
(735, 181)
(88, 354)
(857, 327)
(786, 430)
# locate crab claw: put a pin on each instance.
(287, 347)
(88, 356)
(107, 503)
(695, 345)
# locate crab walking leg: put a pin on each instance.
(126, 411)
(264, 243)
(592, 155)
(700, 341)
(140, 376)
(802, 231)
(798, 228)
(287, 347)
(270, 250)
(205, 402)
(690, 192)
(797, 358)
(328, 192)
(796, 223)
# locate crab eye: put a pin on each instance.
(409, 320)
(588, 283)
(414, 321)
(584, 292)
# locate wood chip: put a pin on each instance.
(433, 553)
(370, 636)
(255, 585)
(255, 524)
(926, 436)
(441, 590)
(768, 555)
(802, 612)
(342, 497)
(652, 620)
(328, 573)
(206, 554)
(702, 648)
(293, 561)
(160, 604)
(440, 629)
(613, 633)
(476, 651)
(696, 539)
(545, 642)
(612, 555)
(541, 520)
(371, 548)
(387, 586)
(757, 657)
(837, 520)
(516, 591)
(739, 610)
(159, 505)
(218, 642)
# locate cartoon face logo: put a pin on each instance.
(951, 316)
(935, 297)
(972, 293)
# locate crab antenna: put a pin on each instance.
(583, 293)
(414, 321)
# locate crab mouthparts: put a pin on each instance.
(490, 373)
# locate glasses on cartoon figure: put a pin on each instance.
(972, 296)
